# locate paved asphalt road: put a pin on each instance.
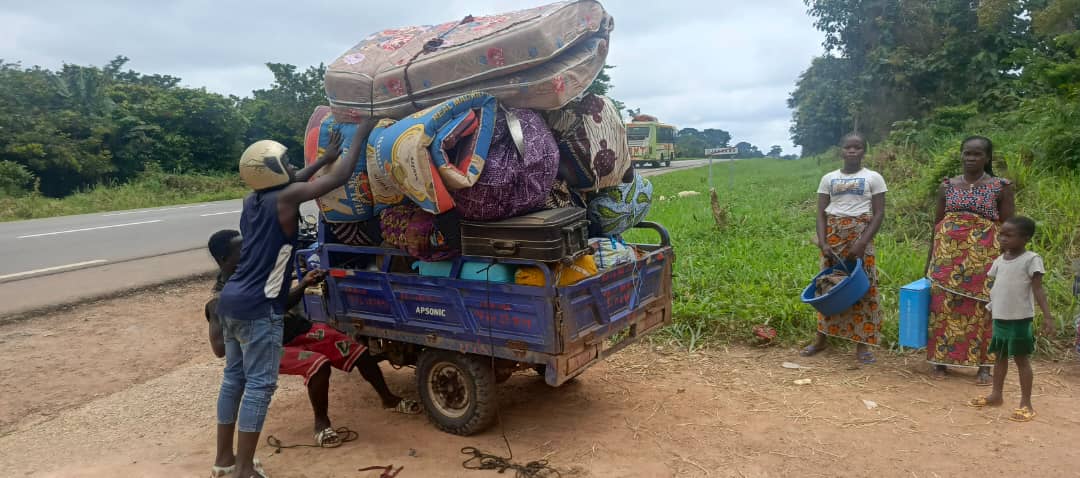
(45, 250)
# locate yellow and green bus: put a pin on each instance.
(651, 142)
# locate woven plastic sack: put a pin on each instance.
(384, 191)
(428, 154)
(352, 201)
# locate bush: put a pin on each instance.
(152, 188)
(15, 179)
(1053, 136)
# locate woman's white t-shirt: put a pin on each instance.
(850, 194)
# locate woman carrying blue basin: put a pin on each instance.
(851, 209)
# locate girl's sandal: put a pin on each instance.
(977, 402)
(1023, 414)
(939, 373)
(867, 358)
(811, 350)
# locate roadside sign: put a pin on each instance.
(721, 151)
(715, 152)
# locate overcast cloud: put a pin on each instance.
(726, 64)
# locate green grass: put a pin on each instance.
(753, 270)
(153, 189)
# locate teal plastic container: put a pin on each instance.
(914, 313)
(477, 271)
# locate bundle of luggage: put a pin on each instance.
(484, 143)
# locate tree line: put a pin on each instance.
(692, 143)
(893, 65)
(79, 126)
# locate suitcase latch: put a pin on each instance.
(504, 248)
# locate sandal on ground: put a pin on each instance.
(222, 471)
(812, 350)
(866, 358)
(259, 471)
(984, 379)
(328, 438)
(1023, 414)
(978, 402)
(939, 373)
(408, 407)
(255, 465)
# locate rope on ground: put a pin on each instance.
(388, 471)
(484, 461)
(343, 433)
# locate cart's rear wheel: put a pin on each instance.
(458, 391)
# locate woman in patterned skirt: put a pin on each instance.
(970, 208)
(851, 208)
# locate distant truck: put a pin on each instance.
(651, 142)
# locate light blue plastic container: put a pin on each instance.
(478, 271)
(914, 313)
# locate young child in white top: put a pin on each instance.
(1017, 274)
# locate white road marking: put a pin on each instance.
(50, 269)
(152, 210)
(88, 229)
(219, 213)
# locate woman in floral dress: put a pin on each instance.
(851, 209)
(970, 209)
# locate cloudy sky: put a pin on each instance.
(727, 64)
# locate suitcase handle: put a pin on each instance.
(576, 234)
(504, 248)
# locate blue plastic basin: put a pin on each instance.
(842, 296)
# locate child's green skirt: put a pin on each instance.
(1012, 338)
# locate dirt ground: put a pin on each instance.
(126, 387)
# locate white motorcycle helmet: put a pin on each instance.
(263, 165)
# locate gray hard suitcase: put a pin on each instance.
(548, 236)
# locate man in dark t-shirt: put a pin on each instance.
(310, 349)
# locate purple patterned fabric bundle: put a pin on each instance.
(511, 185)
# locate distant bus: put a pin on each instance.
(651, 142)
